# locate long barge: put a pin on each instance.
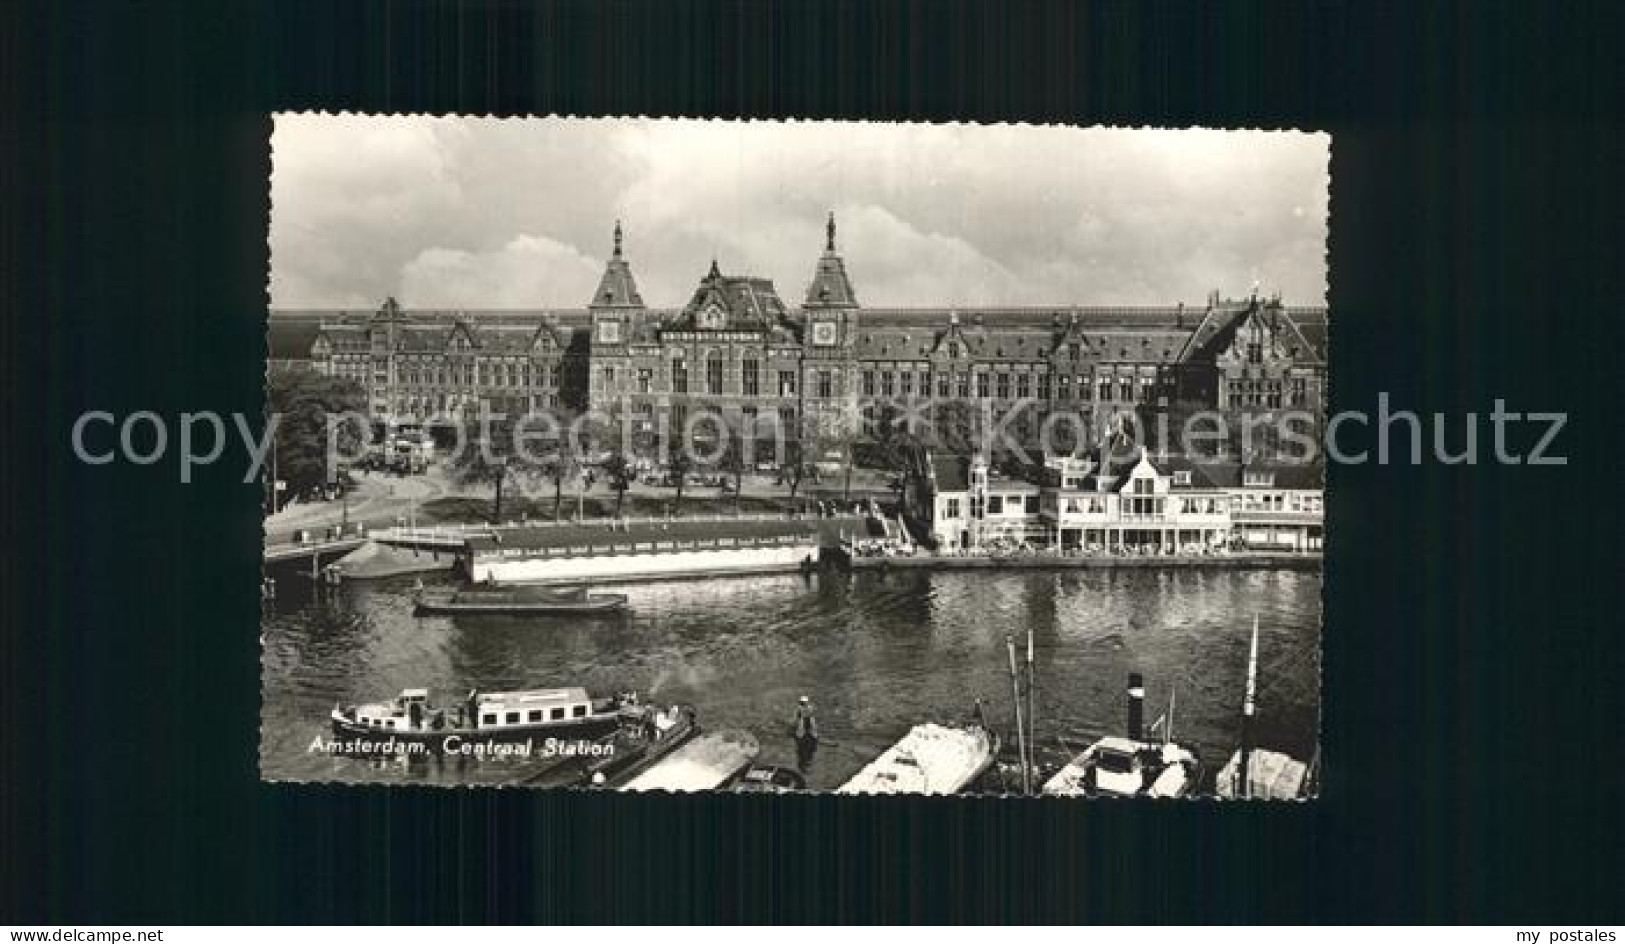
(608, 552)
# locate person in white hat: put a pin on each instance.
(805, 732)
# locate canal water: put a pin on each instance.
(877, 653)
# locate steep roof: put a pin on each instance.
(747, 302)
(830, 287)
(950, 473)
(617, 288)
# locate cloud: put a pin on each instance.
(470, 213)
(526, 270)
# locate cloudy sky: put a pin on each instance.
(479, 213)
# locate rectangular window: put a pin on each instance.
(943, 386)
(952, 509)
(1125, 389)
(579, 711)
(787, 417)
(981, 385)
(645, 379)
(713, 375)
(1002, 386)
(906, 383)
(679, 377)
(1255, 353)
(608, 374)
(488, 720)
(1032, 504)
(512, 718)
(1300, 391)
(535, 716)
(1182, 477)
(1043, 386)
(886, 383)
(558, 714)
(750, 377)
(868, 383)
(787, 383)
(995, 504)
(1024, 386)
(826, 384)
(1106, 389)
(1065, 388)
(964, 386)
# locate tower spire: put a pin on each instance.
(617, 239)
(829, 229)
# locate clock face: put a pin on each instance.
(824, 333)
(609, 332)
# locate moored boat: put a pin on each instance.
(483, 717)
(929, 759)
(1252, 773)
(708, 762)
(641, 739)
(1130, 766)
(518, 600)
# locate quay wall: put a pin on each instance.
(1227, 562)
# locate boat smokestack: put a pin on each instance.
(1136, 706)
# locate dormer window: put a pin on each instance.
(1259, 480)
(1182, 477)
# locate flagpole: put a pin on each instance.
(1248, 707)
(1021, 730)
(1032, 704)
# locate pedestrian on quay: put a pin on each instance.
(805, 731)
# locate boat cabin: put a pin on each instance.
(396, 714)
(539, 706)
(1119, 767)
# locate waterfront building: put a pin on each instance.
(1166, 504)
(824, 370)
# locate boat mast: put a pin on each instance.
(1021, 730)
(1248, 707)
(1032, 706)
(1168, 729)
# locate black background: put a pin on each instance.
(1472, 646)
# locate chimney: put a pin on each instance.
(1136, 706)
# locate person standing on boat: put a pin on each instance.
(473, 708)
(805, 731)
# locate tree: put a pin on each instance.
(681, 464)
(954, 425)
(304, 401)
(795, 467)
(734, 462)
(619, 471)
(489, 453)
(559, 468)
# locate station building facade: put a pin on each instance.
(817, 369)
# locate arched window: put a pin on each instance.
(713, 372)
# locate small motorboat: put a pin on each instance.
(1131, 766)
(517, 599)
(770, 778)
(708, 762)
(483, 717)
(929, 759)
(642, 739)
